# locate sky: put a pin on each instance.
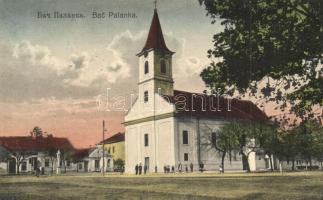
(53, 71)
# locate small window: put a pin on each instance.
(113, 149)
(146, 67)
(185, 156)
(146, 140)
(46, 162)
(24, 166)
(162, 67)
(96, 164)
(146, 96)
(185, 137)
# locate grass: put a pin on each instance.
(302, 185)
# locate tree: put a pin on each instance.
(51, 151)
(263, 39)
(36, 132)
(224, 141)
(19, 156)
(310, 140)
(289, 146)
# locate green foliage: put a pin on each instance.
(281, 39)
(119, 163)
(37, 132)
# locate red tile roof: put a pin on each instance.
(190, 104)
(28, 143)
(82, 153)
(119, 137)
(155, 39)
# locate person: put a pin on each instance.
(186, 169)
(164, 169)
(136, 169)
(145, 169)
(37, 172)
(201, 167)
(191, 166)
(180, 167)
(156, 169)
(173, 169)
(140, 169)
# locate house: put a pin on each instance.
(168, 127)
(27, 153)
(115, 146)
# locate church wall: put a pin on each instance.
(160, 149)
(205, 153)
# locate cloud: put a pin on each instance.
(30, 72)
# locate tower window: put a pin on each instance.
(146, 96)
(162, 67)
(185, 137)
(185, 156)
(146, 67)
(146, 140)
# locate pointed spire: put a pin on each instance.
(155, 39)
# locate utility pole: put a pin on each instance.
(103, 162)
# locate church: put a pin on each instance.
(168, 127)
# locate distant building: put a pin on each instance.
(26, 154)
(168, 127)
(115, 146)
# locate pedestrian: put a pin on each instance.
(191, 166)
(186, 169)
(173, 169)
(156, 169)
(140, 169)
(201, 167)
(136, 169)
(145, 169)
(180, 168)
(164, 169)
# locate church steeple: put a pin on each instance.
(155, 65)
(155, 40)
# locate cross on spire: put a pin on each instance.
(155, 2)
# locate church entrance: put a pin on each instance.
(147, 163)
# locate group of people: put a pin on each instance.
(168, 168)
(138, 169)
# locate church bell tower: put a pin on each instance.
(155, 64)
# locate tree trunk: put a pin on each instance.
(293, 164)
(310, 158)
(271, 163)
(222, 160)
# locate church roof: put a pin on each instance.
(206, 106)
(155, 39)
(28, 143)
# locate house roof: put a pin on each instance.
(28, 143)
(119, 137)
(82, 153)
(155, 39)
(206, 106)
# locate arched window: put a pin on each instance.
(146, 67)
(162, 67)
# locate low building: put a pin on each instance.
(27, 154)
(115, 146)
